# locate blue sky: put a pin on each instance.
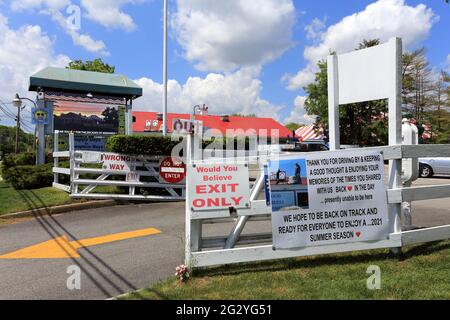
(230, 55)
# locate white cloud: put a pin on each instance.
(55, 9)
(83, 40)
(301, 79)
(225, 35)
(23, 52)
(19, 5)
(108, 13)
(299, 114)
(383, 19)
(315, 30)
(237, 92)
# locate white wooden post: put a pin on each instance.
(73, 187)
(395, 130)
(333, 103)
(56, 159)
(193, 227)
(365, 75)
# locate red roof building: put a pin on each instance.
(152, 122)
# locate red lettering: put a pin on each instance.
(225, 203)
(237, 201)
(201, 189)
(198, 203)
(214, 188)
(213, 202)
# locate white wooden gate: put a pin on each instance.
(86, 176)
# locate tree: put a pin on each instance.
(418, 84)
(252, 115)
(97, 65)
(111, 115)
(8, 138)
(440, 94)
(361, 123)
(294, 126)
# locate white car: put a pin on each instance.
(429, 167)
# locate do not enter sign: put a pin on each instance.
(172, 170)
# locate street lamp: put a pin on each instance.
(200, 108)
(17, 102)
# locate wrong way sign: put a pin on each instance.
(172, 170)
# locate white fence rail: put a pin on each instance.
(85, 177)
(145, 168)
(203, 251)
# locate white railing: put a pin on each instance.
(145, 168)
(85, 177)
(204, 251)
(57, 170)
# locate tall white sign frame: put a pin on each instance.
(364, 75)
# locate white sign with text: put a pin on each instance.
(218, 186)
(117, 162)
(337, 197)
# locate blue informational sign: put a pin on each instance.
(267, 185)
(90, 143)
(288, 184)
(40, 116)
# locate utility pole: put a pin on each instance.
(165, 71)
(17, 130)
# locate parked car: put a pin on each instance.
(307, 146)
(429, 167)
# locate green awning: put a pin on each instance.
(68, 80)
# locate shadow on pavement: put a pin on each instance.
(48, 224)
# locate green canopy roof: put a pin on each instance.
(69, 80)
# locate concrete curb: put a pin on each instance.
(61, 209)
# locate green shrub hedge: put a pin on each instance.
(22, 173)
(29, 177)
(155, 145)
(137, 145)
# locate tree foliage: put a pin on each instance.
(293, 126)
(425, 98)
(96, 65)
(8, 140)
(252, 115)
(417, 83)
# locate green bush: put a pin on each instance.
(141, 145)
(23, 159)
(29, 176)
(20, 170)
(157, 145)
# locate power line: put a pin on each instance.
(6, 110)
(9, 115)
